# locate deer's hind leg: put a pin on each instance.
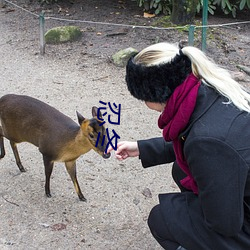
(1, 144)
(71, 168)
(48, 164)
(18, 161)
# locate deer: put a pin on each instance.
(58, 138)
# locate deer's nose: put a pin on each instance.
(106, 156)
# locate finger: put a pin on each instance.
(121, 148)
(121, 157)
(118, 145)
(110, 149)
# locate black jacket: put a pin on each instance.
(216, 145)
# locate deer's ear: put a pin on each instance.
(80, 118)
(96, 113)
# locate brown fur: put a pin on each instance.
(59, 138)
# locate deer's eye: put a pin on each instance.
(91, 136)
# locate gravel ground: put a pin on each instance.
(76, 76)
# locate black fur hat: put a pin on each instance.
(156, 83)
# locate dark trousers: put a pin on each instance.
(156, 221)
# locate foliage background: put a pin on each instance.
(164, 6)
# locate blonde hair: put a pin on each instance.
(202, 67)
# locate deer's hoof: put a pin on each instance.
(82, 198)
(48, 195)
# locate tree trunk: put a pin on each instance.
(183, 11)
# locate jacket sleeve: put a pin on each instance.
(220, 173)
(155, 151)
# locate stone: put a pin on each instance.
(147, 193)
(121, 58)
(63, 34)
(2, 3)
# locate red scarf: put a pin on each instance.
(174, 119)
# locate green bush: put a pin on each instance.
(211, 7)
(165, 6)
(232, 6)
(156, 6)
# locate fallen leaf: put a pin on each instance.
(147, 15)
(58, 227)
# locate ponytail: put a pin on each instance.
(218, 78)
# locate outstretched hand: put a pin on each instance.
(125, 149)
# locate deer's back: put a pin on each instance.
(24, 118)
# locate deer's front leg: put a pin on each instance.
(71, 168)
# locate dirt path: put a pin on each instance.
(74, 77)
(115, 215)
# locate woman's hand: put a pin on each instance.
(125, 149)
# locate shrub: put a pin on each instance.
(165, 6)
(157, 6)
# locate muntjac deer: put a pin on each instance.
(59, 138)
